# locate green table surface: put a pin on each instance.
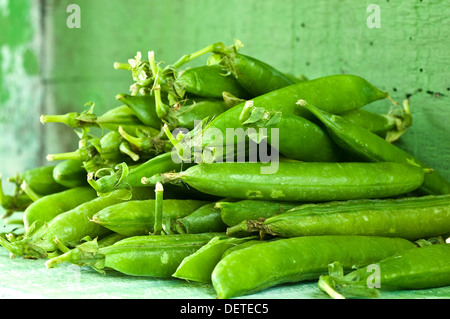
(29, 279)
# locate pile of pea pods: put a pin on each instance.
(314, 190)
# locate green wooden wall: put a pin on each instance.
(47, 67)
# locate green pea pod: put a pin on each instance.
(39, 179)
(199, 110)
(367, 146)
(200, 265)
(301, 181)
(297, 259)
(207, 81)
(12, 203)
(257, 77)
(232, 213)
(48, 207)
(387, 126)
(144, 108)
(71, 226)
(417, 268)
(151, 256)
(70, 173)
(133, 218)
(411, 218)
(335, 94)
(203, 220)
(122, 177)
(110, 239)
(296, 137)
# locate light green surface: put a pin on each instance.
(46, 67)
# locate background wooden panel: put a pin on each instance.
(407, 55)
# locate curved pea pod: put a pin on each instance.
(293, 136)
(335, 94)
(205, 219)
(69, 227)
(70, 173)
(110, 239)
(143, 106)
(256, 76)
(232, 213)
(297, 259)
(123, 177)
(417, 268)
(367, 146)
(200, 265)
(411, 218)
(301, 181)
(207, 81)
(133, 218)
(151, 256)
(48, 207)
(199, 110)
(39, 179)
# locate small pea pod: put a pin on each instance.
(48, 207)
(411, 218)
(301, 181)
(187, 115)
(200, 265)
(203, 220)
(144, 108)
(390, 126)
(133, 218)
(70, 173)
(367, 146)
(151, 256)
(297, 259)
(69, 227)
(293, 136)
(416, 268)
(39, 179)
(233, 213)
(207, 81)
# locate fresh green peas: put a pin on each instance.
(205, 219)
(411, 218)
(267, 264)
(144, 108)
(70, 173)
(367, 146)
(48, 207)
(39, 179)
(416, 268)
(301, 181)
(133, 218)
(71, 226)
(151, 256)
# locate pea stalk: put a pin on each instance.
(29, 191)
(159, 193)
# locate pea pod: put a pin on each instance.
(417, 268)
(296, 137)
(301, 181)
(19, 201)
(39, 179)
(232, 213)
(70, 173)
(200, 265)
(207, 81)
(199, 110)
(122, 177)
(144, 108)
(133, 218)
(297, 259)
(410, 218)
(203, 220)
(152, 256)
(335, 94)
(367, 146)
(69, 227)
(48, 207)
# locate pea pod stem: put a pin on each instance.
(215, 47)
(159, 193)
(29, 191)
(161, 108)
